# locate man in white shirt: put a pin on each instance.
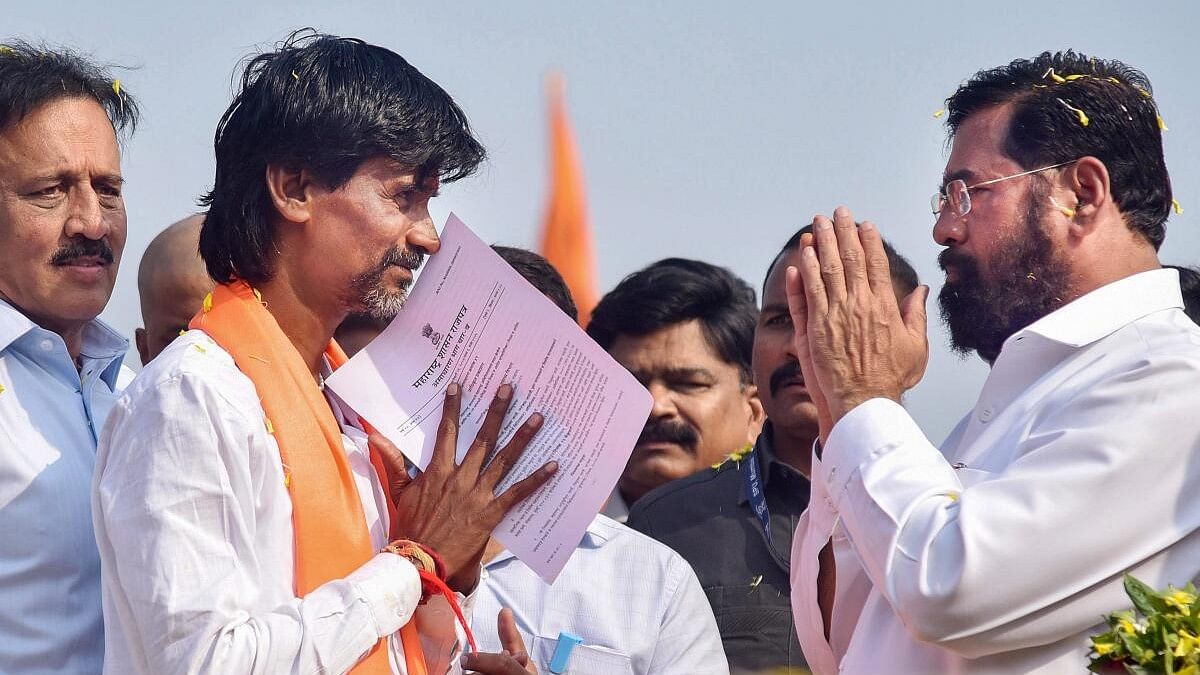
(636, 605)
(242, 516)
(62, 230)
(1001, 552)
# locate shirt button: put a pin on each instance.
(46, 344)
(985, 414)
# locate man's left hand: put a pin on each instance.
(861, 343)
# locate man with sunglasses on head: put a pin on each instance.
(1002, 551)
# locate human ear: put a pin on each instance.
(1089, 181)
(758, 415)
(291, 192)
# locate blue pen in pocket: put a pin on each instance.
(567, 642)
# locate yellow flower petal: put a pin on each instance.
(1083, 118)
(116, 86)
(1162, 124)
(270, 427)
(5, 49)
(208, 303)
(1175, 205)
(295, 76)
(1, 389)
(1054, 76)
(182, 331)
(200, 348)
(1072, 78)
(939, 113)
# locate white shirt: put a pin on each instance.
(194, 525)
(50, 620)
(1002, 552)
(636, 603)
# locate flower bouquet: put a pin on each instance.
(1159, 637)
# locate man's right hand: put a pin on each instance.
(452, 508)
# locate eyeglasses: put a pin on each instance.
(957, 194)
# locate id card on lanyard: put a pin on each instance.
(754, 492)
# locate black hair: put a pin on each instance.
(1068, 105)
(32, 76)
(904, 277)
(1189, 286)
(539, 272)
(325, 104)
(675, 290)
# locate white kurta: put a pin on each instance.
(194, 526)
(1002, 552)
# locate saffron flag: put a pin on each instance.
(566, 235)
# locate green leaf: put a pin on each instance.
(1144, 598)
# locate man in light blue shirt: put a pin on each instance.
(62, 230)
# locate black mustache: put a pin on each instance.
(82, 248)
(788, 371)
(955, 258)
(667, 431)
(411, 258)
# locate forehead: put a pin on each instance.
(68, 134)
(774, 291)
(977, 152)
(681, 345)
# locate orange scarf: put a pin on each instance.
(331, 535)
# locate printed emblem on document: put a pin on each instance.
(434, 336)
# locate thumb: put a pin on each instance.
(510, 637)
(913, 312)
(393, 460)
(797, 303)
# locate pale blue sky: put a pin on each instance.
(708, 129)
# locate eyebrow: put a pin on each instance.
(66, 176)
(965, 175)
(673, 373)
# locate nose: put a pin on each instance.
(423, 234)
(85, 215)
(950, 228)
(664, 402)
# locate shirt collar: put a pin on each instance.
(100, 340)
(13, 325)
(1108, 308)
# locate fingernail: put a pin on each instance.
(809, 252)
(551, 467)
(841, 211)
(535, 420)
(504, 392)
(822, 224)
(867, 226)
(452, 389)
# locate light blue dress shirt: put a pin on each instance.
(50, 416)
(636, 603)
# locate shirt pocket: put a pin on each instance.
(585, 659)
